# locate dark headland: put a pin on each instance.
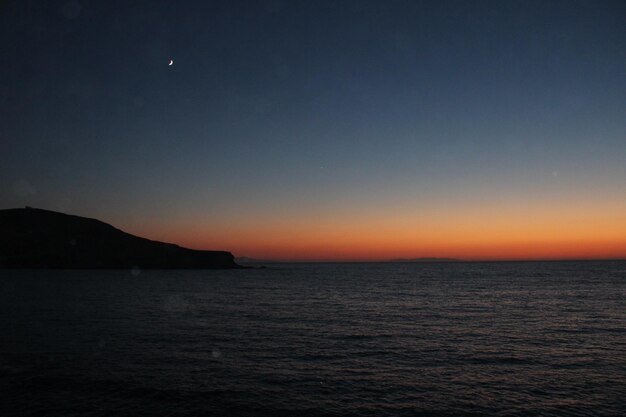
(36, 238)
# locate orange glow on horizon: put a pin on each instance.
(526, 231)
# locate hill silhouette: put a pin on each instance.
(36, 238)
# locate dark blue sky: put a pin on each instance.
(286, 109)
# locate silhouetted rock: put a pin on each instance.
(35, 238)
(246, 260)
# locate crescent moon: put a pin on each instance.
(171, 62)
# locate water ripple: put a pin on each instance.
(466, 339)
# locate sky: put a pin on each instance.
(325, 130)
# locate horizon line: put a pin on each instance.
(408, 261)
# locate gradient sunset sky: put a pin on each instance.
(324, 130)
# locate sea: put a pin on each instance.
(318, 339)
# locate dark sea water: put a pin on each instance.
(501, 339)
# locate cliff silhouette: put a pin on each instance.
(36, 238)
